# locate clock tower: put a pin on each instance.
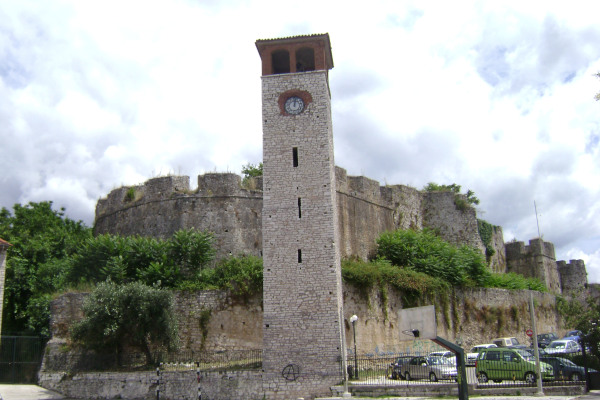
(303, 334)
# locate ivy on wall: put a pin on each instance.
(486, 232)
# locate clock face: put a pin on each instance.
(294, 105)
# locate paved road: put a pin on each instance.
(27, 392)
(33, 392)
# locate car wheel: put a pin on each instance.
(575, 377)
(482, 377)
(407, 376)
(432, 377)
(530, 377)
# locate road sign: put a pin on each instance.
(529, 332)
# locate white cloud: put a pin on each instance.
(495, 96)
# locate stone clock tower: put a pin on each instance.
(303, 335)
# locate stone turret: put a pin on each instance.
(536, 261)
(573, 276)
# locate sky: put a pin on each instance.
(497, 97)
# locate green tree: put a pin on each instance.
(454, 188)
(124, 259)
(424, 252)
(130, 315)
(43, 240)
(249, 172)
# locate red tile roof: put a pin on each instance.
(4, 244)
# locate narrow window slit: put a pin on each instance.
(299, 256)
(299, 207)
(295, 156)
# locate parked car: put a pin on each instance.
(573, 335)
(450, 356)
(565, 369)
(508, 342)
(544, 339)
(434, 368)
(474, 353)
(563, 347)
(500, 364)
(397, 365)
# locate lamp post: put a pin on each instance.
(353, 319)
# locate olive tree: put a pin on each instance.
(130, 315)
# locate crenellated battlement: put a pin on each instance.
(221, 204)
(536, 247)
(573, 275)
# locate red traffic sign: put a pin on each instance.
(529, 332)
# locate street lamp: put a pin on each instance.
(353, 319)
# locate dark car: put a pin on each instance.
(396, 367)
(544, 339)
(573, 335)
(565, 370)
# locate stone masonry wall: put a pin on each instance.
(573, 275)
(164, 205)
(457, 226)
(474, 315)
(536, 260)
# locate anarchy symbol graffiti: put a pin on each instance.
(291, 372)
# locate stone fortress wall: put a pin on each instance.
(220, 204)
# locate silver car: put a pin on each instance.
(430, 367)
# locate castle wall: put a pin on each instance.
(473, 316)
(498, 260)
(536, 261)
(573, 276)
(162, 206)
(457, 225)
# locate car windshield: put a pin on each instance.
(557, 345)
(572, 333)
(515, 342)
(438, 361)
(526, 355)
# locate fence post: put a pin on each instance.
(198, 380)
(158, 382)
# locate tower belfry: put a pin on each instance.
(303, 333)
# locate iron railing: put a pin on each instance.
(388, 370)
(20, 358)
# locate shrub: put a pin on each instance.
(134, 315)
(424, 252)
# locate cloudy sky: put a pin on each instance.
(495, 96)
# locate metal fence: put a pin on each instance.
(418, 369)
(20, 358)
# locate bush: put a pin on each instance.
(424, 252)
(134, 315)
(514, 281)
(380, 272)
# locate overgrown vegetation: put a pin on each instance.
(423, 251)
(166, 263)
(53, 254)
(249, 172)
(454, 188)
(486, 232)
(583, 317)
(378, 273)
(43, 242)
(129, 315)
